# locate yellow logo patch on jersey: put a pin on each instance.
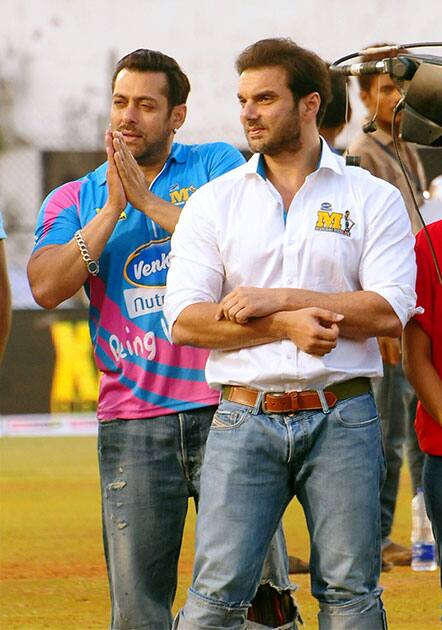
(179, 196)
(330, 221)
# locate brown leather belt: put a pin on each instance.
(290, 402)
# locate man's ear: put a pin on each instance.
(310, 104)
(178, 115)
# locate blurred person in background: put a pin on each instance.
(338, 111)
(423, 366)
(394, 395)
(5, 293)
(110, 231)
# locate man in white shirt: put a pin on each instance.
(288, 267)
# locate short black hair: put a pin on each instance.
(144, 60)
(338, 111)
(306, 71)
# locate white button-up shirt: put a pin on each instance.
(345, 230)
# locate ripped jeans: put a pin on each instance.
(149, 470)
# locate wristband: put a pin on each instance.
(92, 265)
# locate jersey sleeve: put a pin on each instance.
(223, 158)
(59, 216)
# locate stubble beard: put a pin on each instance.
(277, 145)
(150, 151)
(285, 138)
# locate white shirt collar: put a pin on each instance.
(328, 159)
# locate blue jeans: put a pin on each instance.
(149, 470)
(254, 464)
(432, 484)
(396, 403)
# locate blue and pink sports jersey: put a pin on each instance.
(143, 373)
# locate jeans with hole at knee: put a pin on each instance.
(149, 470)
(254, 465)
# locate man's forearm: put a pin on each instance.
(197, 326)
(313, 330)
(162, 212)
(420, 370)
(366, 313)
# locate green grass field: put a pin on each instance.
(51, 563)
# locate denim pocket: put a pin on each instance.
(359, 411)
(229, 416)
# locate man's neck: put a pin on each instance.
(385, 126)
(287, 170)
(153, 165)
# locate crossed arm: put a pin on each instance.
(56, 272)
(250, 316)
(313, 330)
(365, 313)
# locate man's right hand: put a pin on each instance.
(313, 330)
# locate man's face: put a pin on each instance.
(269, 114)
(140, 110)
(389, 95)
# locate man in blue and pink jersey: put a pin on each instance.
(110, 231)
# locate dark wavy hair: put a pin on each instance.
(306, 72)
